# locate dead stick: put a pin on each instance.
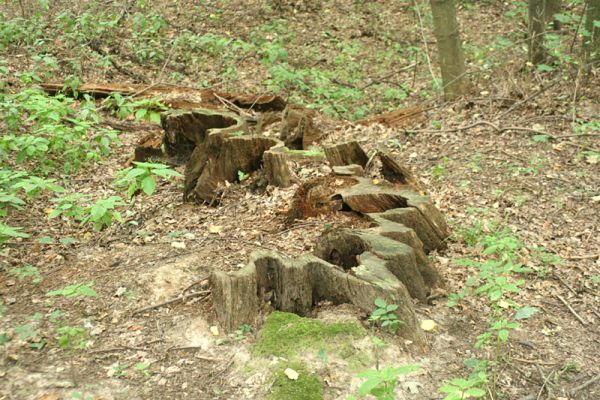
(164, 303)
(566, 284)
(584, 257)
(571, 309)
(585, 384)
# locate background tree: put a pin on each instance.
(450, 52)
(541, 14)
(592, 31)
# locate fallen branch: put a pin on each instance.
(572, 310)
(164, 303)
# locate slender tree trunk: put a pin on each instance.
(537, 27)
(592, 27)
(450, 52)
(553, 7)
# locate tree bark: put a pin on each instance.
(541, 13)
(592, 26)
(450, 51)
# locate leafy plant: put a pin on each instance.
(142, 109)
(142, 368)
(26, 271)
(439, 170)
(241, 332)
(143, 177)
(33, 185)
(69, 206)
(460, 389)
(75, 290)
(72, 337)
(242, 176)
(10, 232)
(382, 383)
(102, 213)
(384, 313)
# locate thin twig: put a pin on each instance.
(174, 300)
(585, 384)
(571, 310)
(525, 100)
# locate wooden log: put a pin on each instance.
(397, 118)
(343, 246)
(176, 97)
(221, 148)
(346, 154)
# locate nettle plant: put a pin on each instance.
(496, 278)
(142, 177)
(142, 109)
(101, 214)
(384, 314)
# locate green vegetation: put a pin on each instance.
(382, 383)
(142, 177)
(497, 278)
(307, 387)
(384, 314)
(286, 334)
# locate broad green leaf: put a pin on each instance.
(148, 185)
(379, 302)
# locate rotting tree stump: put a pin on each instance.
(216, 146)
(388, 260)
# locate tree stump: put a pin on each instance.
(216, 146)
(296, 285)
(356, 266)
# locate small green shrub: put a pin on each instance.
(142, 177)
(384, 314)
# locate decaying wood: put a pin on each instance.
(346, 154)
(395, 172)
(295, 285)
(149, 148)
(318, 196)
(298, 130)
(176, 97)
(348, 170)
(275, 164)
(401, 118)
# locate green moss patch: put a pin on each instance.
(284, 334)
(307, 387)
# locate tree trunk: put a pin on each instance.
(592, 26)
(537, 26)
(451, 57)
(553, 7)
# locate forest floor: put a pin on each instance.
(348, 59)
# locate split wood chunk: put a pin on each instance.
(275, 164)
(296, 285)
(149, 148)
(395, 172)
(346, 154)
(298, 130)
